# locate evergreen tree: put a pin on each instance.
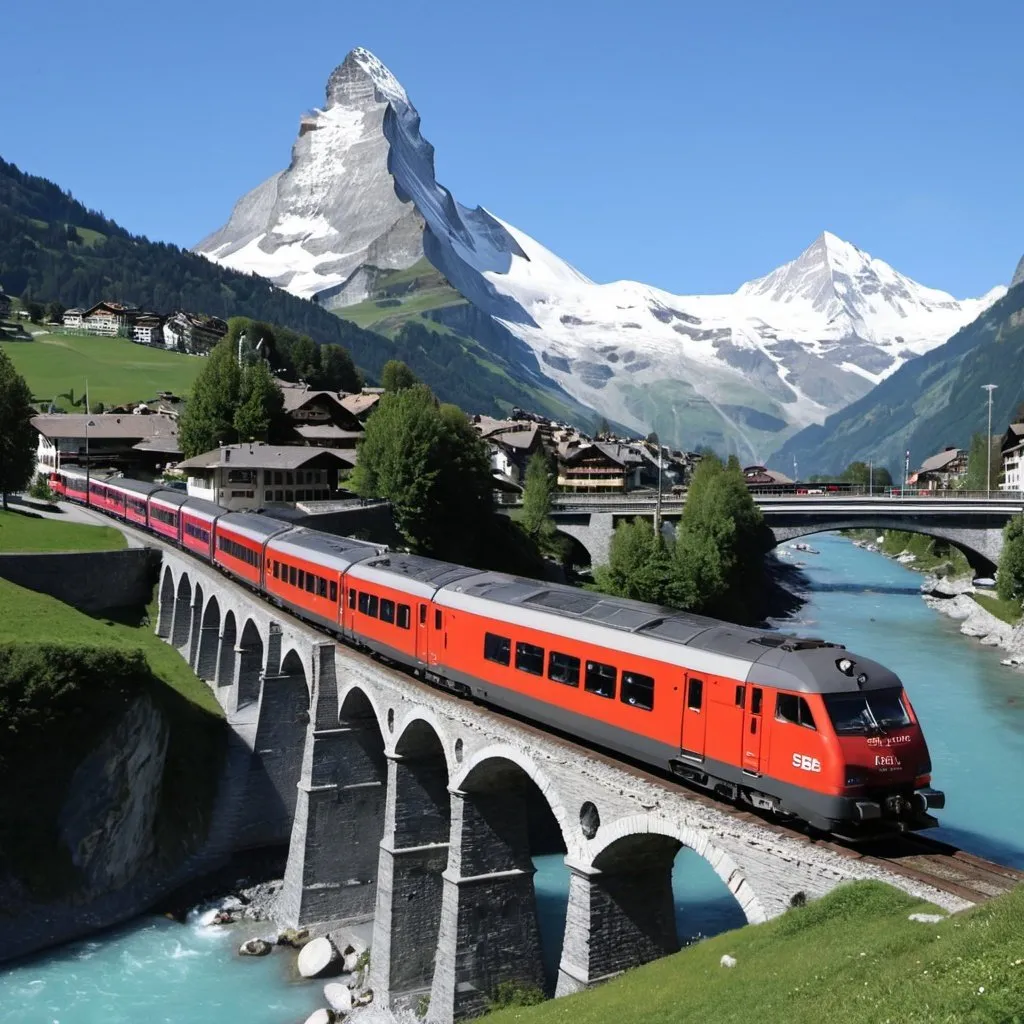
(36, 310)
(396, 376)
(17, 436)
(260, 412)
(337, 370)
(978, 462)
(538, 489)
(54, 312)
(638, 564)
(861, 474)
(1010, 580)
(208, 419)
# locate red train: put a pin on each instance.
(797, 727)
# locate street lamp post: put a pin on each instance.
(988, 440)
(871, 478)
(88, 423)
(657, 511)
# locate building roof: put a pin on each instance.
(268, 456)
(937, 463)
(521, 438)
(106, 426)
(297, 396)
(326, 432)
(361, 403)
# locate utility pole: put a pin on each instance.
(88, 494)
(871, 478)
(906, 474)
(988, 440)
(657, 510)
(796, 472)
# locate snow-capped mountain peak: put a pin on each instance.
(738, 371)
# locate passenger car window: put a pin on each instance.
(530, 658)
(387, 610)
(403, 616)
(695, 694)
(793, 709)
(637, 691)
(334, 590)
(600, 679)
(497, 648)
(564, 668)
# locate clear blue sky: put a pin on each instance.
(691, 146)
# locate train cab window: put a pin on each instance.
(563, 668)
(695, 694)
(437, 618)
(741, 695)
(351, 597)
(404, 616)
(637, 691)
(600, 679)
(334, 591)
(387, 610)
(497, 648)
(530, 658)
(321, 587)
(756, 696)
(793, 709)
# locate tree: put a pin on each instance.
(539, 487)
(638, 566)
(1010, 580)
(337, 370)
(396, 376)
(260, 409)
(978, 462)
(860, 474)
(35, 310)
(54, 312)
(208, 419)
(602, 429)
(17, 436)
(428, 461)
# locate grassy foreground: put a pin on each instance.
(850, 958)
(117, 369)
(1008, 611)
(28, 533)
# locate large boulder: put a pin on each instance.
(294, 937)
(255, 947)
(322, 1017)
(319, 957)
(338, 996)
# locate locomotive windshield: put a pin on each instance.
(855, 714)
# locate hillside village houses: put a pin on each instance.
(186, 332)
(941, 471)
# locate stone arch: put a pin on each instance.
(198, 600)
(250, 664)
(490, 899)
(413, 857)
(226, 654)
(980, 546)
(182, 612)
(279, 744)
(166, 614)
(209, 638)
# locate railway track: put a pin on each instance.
(911, 855)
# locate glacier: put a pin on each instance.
(741, 371)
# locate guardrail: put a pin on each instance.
(646, 499)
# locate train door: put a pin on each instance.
(753, 728)
(694, 718)
(438, 638)
(422, 632)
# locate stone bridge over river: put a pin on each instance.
(418, 811)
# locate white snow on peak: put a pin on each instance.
(382, 77)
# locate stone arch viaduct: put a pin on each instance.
(411, 809)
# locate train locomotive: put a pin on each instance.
(799, 728)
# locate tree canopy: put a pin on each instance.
(862, 475)
(1010, 579)
(17, 436)
(259, 415)
(978, 463)
(396, 375)
(429, 462)
(538, 490)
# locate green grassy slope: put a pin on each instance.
(117, 369)
(26, 533)
(850, 958)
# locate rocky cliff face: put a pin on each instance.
(1018, 274)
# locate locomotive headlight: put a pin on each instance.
(845, 666)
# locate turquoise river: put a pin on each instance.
(973, 713)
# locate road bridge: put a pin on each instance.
(417, 811)
(972, 524)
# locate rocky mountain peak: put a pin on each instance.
(1018, 275)
(362, 77)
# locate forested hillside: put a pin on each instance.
(934, 400)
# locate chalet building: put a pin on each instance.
(598, 467)
(189, 332)
(363, 404)
(148, 329)
(138, 445)
(761, 476)
(108, 319)
(942, 470)
(1012, 448)
(248, 476)
(5, 305)
(320, 418)
(73, 318)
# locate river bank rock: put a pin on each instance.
(338, 996)
(322, 1017)
(296, 938)
(254, 947)
(319, 958)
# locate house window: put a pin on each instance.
(289, 495)
(637, 691)
(278, 478)
(404, 616)
(695, 694)
(530, 658)
(600, 679)
(279, 496)
(564, 668)
(793, 709)
(290, 479)
(497, 648)
(387, 610)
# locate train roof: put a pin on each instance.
(142, 487)
(329, 549)
(170, 496)
(254, 526)
(209, 509)
(416, 574)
